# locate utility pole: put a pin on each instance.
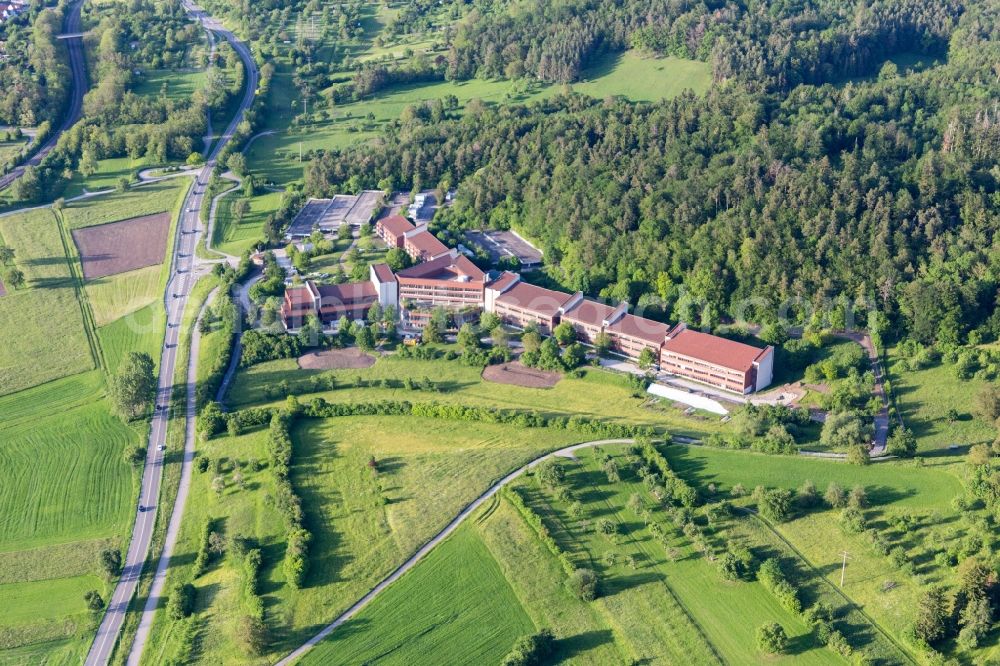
(843, 569)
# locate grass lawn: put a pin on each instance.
(115, 296)
(235, 236)
(599, 394)
(924, 398)
(178, 84)
(9, 149)
(902, 484)
(42, 323)
(159, 197)
(363, 525)
(140, 331)
(643, 78)
(583, 635)
(661, 609)
(109, 171)
(455, 607)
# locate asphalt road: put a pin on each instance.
(178, 290)
(71, 25)
(566, 452)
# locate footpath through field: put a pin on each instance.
(566, 452)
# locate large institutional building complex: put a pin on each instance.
(445, 278)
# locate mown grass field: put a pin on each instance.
(599, 393)
(276, 157)
(924, 398)
(65, 494)
(642, 78)
(903, 484)
(455, 607)
(363, 525)
(234, 236)
(44, 337)
(176, 84)
(115, 296)
(140, 331)
(109, 172)
(135, 202)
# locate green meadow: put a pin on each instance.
(66, 491)
(363, 524)
(276, 156)
(598, 393)
(44, 315)
(925, 399)
(455, 607)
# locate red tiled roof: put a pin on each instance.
(445, 268)
(298, 295)
(505, 280)
(426, 243)
(346, 293)
(589, 312)
(713, 349)
(383, 273)
(397, 225)
(545, 302)
(639, 327)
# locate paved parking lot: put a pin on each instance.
(329, 214)
(500, 244)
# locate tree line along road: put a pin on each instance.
(183, 265)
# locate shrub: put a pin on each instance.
(775, 504)
(530, 650)
(584, 584)
(771, 638)
(181, 601)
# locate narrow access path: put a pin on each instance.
(566, 452)
(71, 26)
(174, 526)
(183, 264)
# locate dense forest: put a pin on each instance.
(117, 121)
(870, 194)
(775, 44)
(34, 71)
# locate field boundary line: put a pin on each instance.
(87, 313)
(853, 604)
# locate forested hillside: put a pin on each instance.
(879, 191)
(33, 68)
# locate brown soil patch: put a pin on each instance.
(3, 289)
(520, 375)
(119, 247)
(336, 359)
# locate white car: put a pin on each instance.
(161, 447)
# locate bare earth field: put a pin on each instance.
(520, 375)
(118, 247)
(336, 359)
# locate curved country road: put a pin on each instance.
(71, 26)
(175, 299)
(566, 452)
